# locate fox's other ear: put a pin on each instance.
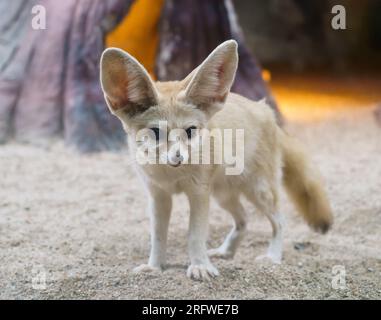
(211, 81)
(125, 83)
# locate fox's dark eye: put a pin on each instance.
(190, 131)
(156, 131)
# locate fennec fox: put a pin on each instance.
(200, 103)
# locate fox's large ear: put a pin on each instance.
(207, 87)
(127, 86)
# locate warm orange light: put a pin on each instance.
(309, 98)
(266, 74)
(138, 32)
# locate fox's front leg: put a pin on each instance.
(200, 267)
(160, 205)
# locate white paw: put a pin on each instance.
(269, 258)
(202, 271)
(146, 268)
(220, 253)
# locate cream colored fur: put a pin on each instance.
(203, 100)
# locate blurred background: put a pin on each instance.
(289, 54)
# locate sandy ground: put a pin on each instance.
(80, 222)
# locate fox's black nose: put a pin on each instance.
(176, 159)
(179, 157)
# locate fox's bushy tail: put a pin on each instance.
(304, 186)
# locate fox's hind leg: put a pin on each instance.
(274, 251)
(265, 199)
(228, 248)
